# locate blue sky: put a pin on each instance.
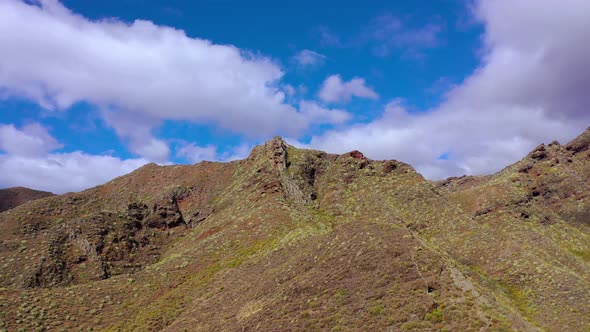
(90, 90)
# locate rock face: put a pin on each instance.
(13, 197)
(580, 144)
(303, 240)
(356, 154)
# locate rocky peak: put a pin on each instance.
(580, 143)
(274, 150)
(539, 153)
(356, 154)
(277, 149)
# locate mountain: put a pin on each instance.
(13, 197)
(303, 240)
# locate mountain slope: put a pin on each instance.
(292, 239)
(13, 197)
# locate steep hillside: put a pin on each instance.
(13, 197)
(299, 240)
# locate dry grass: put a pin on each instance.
(301, 240)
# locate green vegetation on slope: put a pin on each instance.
(292, 239)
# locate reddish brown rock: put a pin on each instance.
(357, 154)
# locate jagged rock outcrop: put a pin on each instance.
(580, 144)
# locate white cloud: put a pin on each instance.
(334, 89)
(478, 142)
(63, 172)
(135, 129)
(239, 152)
(319, 114)
(32, 140)
(28, 161)
(194, 153)
(57, 58)
(289, 90)
(531, 88)
(309, 58)
(152, 149)
(537, 56)
(295, 93)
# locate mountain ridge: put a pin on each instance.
(294, 239)
(15, 196)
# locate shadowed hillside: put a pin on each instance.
(13, 197)
(300, 240)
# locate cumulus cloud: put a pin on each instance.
(537, 56)
(136, 129)
(30, 141)
(63, 172)
(335, 90)
(194, 153)
(28, 161)
(319, 114)
(142, 69)
(239, 152)
(530, 88)
(476, 142)
(308, 58)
